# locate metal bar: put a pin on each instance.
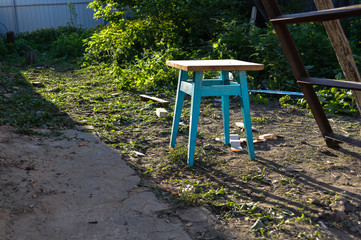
(15, 16)
(339, 138)
(277, 92)
(322, 15)
(332, 83)
(298, 69)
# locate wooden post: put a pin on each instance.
(342, 48)
(30, 57)
(10, 37)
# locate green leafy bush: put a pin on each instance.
(64, 41)
(149, 72)
(339, 101)
(334, 100)
(121, 43)
(70, 46)
(194, 21)
(315, 49)
(43, 39)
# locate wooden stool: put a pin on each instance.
(197, 88)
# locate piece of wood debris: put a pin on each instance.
(37, 84)
(242, 140)
(269, 136)
(258, 140)
(347, 134)
(138, 154)
(235, 143)
(162, 102)
(161, 112)
(115, 94)
(241, 125)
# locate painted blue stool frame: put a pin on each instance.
(198, 88)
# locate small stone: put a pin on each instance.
(161, 112)
(84, 127)
(196, 215)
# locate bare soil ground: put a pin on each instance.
(300, 186)
(297, 188)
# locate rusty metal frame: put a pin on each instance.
(305, 82)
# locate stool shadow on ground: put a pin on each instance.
(267, 197)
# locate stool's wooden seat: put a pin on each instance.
(215, 65)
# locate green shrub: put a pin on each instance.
(149, 72)
(122, 43)
(194, 21)
(43, 40)
(248, 42)
(70, 46)
(315, 49)
(333, 100)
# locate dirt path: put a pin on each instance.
(73, 186)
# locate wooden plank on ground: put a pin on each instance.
(155, 99)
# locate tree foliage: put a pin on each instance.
(194, 21)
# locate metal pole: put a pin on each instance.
(15, 17)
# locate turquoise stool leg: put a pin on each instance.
(183, 75)
(225, 107)
(195, 106)
(246, 112)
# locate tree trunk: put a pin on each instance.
(342, 48)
